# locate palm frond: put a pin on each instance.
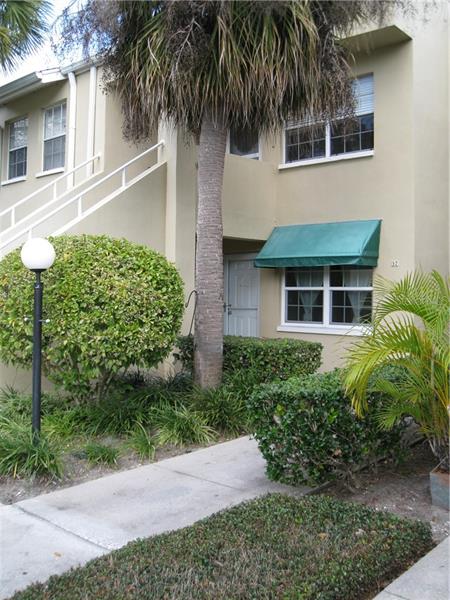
(23, 24)
(410, 331)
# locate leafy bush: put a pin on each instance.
(100, 454)
(270, 358)
(22, 456)
(308, 432)
(313, 548)
(111, 304)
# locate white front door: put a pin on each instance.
(241, 296)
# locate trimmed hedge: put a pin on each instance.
(271, 358)
(111, 304)
(314, 548)
(309, 434)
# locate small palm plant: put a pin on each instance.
(410, 331)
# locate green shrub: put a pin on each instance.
(21, 456)
(100, 454)
(223, 409)
(179, 424)
(308, 432)
(276, 547)
(269, 358)
(140, 440)
(111, 304)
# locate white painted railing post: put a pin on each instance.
(124, 178)
(80, 207)
(13, 217)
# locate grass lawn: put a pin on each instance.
(316, 548)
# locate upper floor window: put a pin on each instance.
(17, 149)
(55, 137)
(244, 142)
(336, 295)
(341, 136)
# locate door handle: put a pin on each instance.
(227, 308)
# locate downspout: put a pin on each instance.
(90, 140)
(72, 127)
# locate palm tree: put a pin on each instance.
(207, 66)
(410, 331)
(23, 24)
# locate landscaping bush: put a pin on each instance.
(22, 456)
(270, 358)
(314, 548)
(111, 304)
(309, 434)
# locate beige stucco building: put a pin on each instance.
(64, 169)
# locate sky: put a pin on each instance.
(44, 58)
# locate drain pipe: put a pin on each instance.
(72, 126)
(90, 141)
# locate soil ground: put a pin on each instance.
(402, 489)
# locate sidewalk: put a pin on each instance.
(51, 533)
(428, 579)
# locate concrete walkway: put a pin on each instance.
(428, 579)
(51, 533)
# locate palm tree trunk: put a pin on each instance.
(209, 256)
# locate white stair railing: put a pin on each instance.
(77, 198)
(12, 210)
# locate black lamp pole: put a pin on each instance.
(37, 355)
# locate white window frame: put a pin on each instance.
(253, 155)
(54, 137)
(328, 156)
(326, 327)
(20, 177)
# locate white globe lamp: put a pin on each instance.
(37, 254)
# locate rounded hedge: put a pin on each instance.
(111, 304)
(309, 434)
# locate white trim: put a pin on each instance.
(72, 126)
(326, 330)
(240, 257)
(15, 180)
(325, 159)
(91, 117)
(50, 172)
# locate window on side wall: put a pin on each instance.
(304, 141)
(328, 296)
(17, 148)
(55, 137)
(244, 142)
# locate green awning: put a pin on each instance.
(319, 244)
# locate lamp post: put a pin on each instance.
(38, 255)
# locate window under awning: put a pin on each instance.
(321, 244)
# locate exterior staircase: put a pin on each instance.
(27, 218)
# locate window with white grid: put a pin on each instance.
(308, 140)
(336, 295)
(55, 137)
(17, 148)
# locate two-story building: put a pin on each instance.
(311, 215)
